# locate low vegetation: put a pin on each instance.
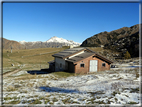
(62, 74)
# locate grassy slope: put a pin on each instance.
(32, 58)
(16, 56)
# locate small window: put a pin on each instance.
(60, 65)
(82, 65)
(103, 64)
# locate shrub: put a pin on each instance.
(100, 102)
(36, 102)
(114, 93)
(115, 99)
(54, 99)
(127, 55)
(134, 90)
(66, 100)
(131, 102)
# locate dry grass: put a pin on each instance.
(11, 88)
(26, 76)
(96, 49)
(16, 56)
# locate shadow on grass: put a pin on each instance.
(38, 72)
(48, 71)
(59, 90)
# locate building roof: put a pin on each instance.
(68, 52)
(103, 58)
(80, 57)
(87, 54)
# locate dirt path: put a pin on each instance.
(10, 73)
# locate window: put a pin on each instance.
(60, 65)
(82, 65)
(103, 64)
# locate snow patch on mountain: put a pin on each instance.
(61, 40)
(53, 40)
(22, 42)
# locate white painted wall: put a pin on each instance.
(59, 61)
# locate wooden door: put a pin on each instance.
(93, 65)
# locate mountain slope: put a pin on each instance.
(7, 44)
(122, 40)
(107, 37)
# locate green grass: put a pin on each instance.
(36, 101)
(61, 74)
(14, 102)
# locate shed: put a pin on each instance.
(80, 60)
(52, 65)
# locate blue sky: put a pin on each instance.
(71, 21)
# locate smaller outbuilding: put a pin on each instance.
(79, 60)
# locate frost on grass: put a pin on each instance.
(106, 87)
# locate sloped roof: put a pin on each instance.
(68, 52)
(87, 54)
(103, 58)
(80, 57)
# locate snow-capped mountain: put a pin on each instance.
(61, 40)
(33, 42)
(52, 42)
(22, 42)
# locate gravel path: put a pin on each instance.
(10, 73)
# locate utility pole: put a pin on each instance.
(11, 49)
(40, 61)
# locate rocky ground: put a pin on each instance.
(116, 87)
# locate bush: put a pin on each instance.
(131, 102)
(127, 55)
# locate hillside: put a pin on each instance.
(120, 40)
(7, 44)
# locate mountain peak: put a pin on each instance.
(22, 42)
(60, 40)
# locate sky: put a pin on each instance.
(71, 21)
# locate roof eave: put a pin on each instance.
(57, 56)
(72, 54)
(75, 62)
(107, 60)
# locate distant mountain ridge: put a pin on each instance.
(52, 42)
(8, 44)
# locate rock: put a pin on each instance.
(112, 66)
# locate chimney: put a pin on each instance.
(71, 46)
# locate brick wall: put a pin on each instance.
(86, 62)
